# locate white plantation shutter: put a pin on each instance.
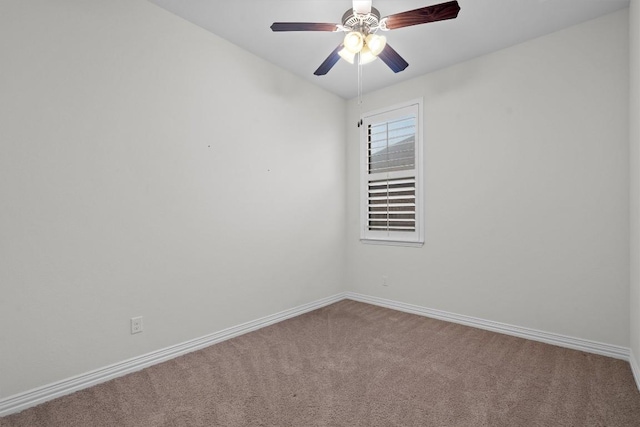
(392, 205)
(390, 201)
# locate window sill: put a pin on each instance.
(392, 243)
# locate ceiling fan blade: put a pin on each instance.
(362, 6)
(390, 57)
(437, 12)
(329, 62)
(303, 26)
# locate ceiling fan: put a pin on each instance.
(361, 24)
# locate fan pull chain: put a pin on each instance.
(359, 90)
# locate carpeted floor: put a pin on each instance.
(354, 364)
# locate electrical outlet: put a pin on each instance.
(385, 281)
(136, 325)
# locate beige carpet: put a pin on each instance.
(354, 364)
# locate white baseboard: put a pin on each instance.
(635, 368)
(503, 328)
(42, 394)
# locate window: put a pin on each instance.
(391, 176)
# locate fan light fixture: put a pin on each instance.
(347, 55)
(366, 56)
(368, 47)
(353, 42)
(376, 43)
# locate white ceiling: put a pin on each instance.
(482, 26)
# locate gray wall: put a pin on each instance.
(149, 168)
(526, 188)
(634, 138)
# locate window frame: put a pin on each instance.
(397, 238)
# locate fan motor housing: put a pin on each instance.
(361, 22)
